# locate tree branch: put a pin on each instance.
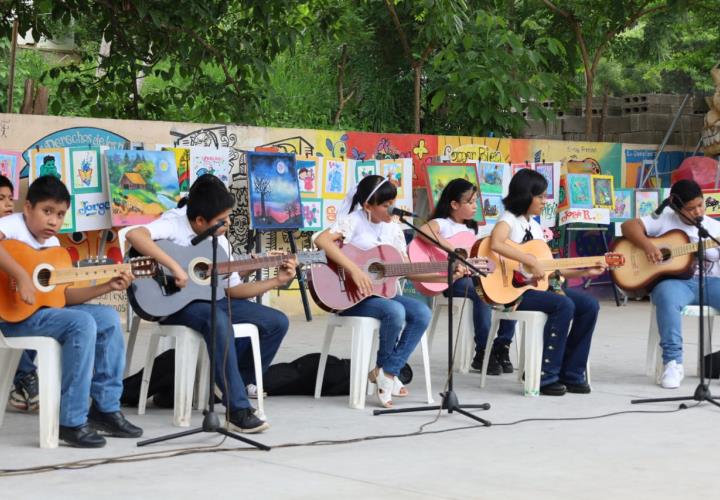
(400, 31)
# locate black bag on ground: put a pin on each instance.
(712, 365)
(296, 378)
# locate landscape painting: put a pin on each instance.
(182, 161)
(274, 191)
(143, 184)
(440, 174)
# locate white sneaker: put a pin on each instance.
(252, 391)
(672, 375)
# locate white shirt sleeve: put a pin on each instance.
(163, 229)
(654, 227)
(399, 239)
(344, 225)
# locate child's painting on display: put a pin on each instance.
(393, 172)
(49, 161)
(440, 174)
(364, 168)
(182, 160)
(546, 170)
(309, 177)
(205, 160)
(492, 206)
(143, 184)
(490, 176)
(517, 167)
(274, 191)
(10, 167)
(335, 179)
(602, 190)
(646, 201)
(312, 211)
(623, 207)
(563, 198)
(712, 203)
(580, 192)
(86, 170)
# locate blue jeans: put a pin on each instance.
(396, 344)
(565, 354)
(237, 369)
(669, 297)
(93, 355)
(25, 366)
(482, 313)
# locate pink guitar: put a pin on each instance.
(421, 250)
(334, 290)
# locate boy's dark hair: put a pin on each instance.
(454, 191)
(683, 191)
(208, 197)
(6, 183)
(47, 187)
(384, 193)
(524, 185)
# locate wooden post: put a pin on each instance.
(41, 101)
(28, 97)
(11, 72)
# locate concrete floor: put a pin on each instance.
(647, 454)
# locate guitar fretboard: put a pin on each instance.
(572, 263)
(255, 263)
(72, 275)
(689, 248)
(410, 268)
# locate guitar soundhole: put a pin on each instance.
(666, 254)
(201, 270)
(376, 271)
(43, 277)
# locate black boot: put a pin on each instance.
(501, 352)
(493, 367)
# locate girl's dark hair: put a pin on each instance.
(454, 191)
(683, 191)
(384, 193)
(6, 183)
(208, 197)
(524, 185)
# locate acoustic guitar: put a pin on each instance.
(334, 290)
(52, 272)
(510, 280)
(421, 250)
(158, 298)
(640, 275)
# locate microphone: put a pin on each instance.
(393, 210)
(208, 232)
(659, 210)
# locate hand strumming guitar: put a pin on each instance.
(26, 289)
(181, 277)
(362, 281)
(534, 268)
(653, 253)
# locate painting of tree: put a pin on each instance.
(274, 191)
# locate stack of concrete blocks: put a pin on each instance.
(636, 119)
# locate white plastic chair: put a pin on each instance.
(239, 330)
(132, 320)
(654, 362)
(49, 364)
(464, 334)
(532, 325)
(361, 356)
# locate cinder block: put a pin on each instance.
(664, 109)
(642, 122)
(616, 125)
(649, 99)
(648, 137)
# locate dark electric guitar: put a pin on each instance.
(157, 298)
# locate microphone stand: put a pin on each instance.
(450, 401)
(211, 422)
(702, 391)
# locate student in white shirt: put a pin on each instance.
(90, 335)
(565, 349)
(208, 203)
(367, 224)
(671, 295)
(454, 214)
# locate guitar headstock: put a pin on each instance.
(613, 259)
(143, 266)
(312, 257)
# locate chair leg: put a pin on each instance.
(9, 359)
(437, 307)
(653, 346)
(201, 397)
(49, 375)
(186, 358)
(323, 360)
(533, 357)
(488, 347)
(426, 367)
(257, 361)
(359, 360)
(147, 372)
(133, 328)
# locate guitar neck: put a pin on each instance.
(410, 268)
(689, 248)
(245, 265)
(73, 274)
(571, 263)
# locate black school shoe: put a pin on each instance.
(578, 388)
(113, 423)
(245, 421)
(82, 436)
(501, 352)
(493, 367)
(554, 389)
